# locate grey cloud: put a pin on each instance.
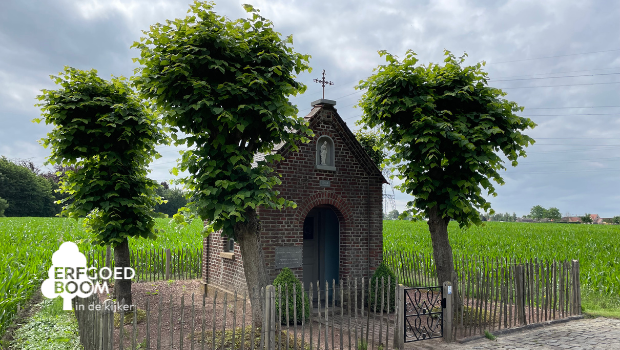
(39, 38)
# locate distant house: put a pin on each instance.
(571, 219)
(596, 219)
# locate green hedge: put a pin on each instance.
(286, 280)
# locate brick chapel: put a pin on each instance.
(336, 230)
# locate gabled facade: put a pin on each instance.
(336, 230)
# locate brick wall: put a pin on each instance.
(355, 195)
(222, 271)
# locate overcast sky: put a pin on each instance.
(560, 59)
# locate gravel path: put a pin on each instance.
(592, 333)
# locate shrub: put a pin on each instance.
(382, 271)
(286, 279)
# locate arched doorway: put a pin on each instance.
(321, 249)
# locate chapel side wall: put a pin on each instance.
(349, 193)
(221, 272)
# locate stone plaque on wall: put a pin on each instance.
(324, 183)
(288, 256)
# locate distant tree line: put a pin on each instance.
(28, 191)
(395, 215)
(25, 190)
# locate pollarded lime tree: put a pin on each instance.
(106, 134)
(222, 86)
(445, 128)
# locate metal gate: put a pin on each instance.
(423, 313)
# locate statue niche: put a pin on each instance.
(325, 157)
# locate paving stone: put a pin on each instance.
(583, 334)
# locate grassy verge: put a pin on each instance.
(51, 328)
(597, 304)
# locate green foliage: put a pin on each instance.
(3, 205)
(104, 131)
(174, 198)
(616, 220)
(284, 282)
(537, 212)
(26, 193)
(382, 271)
(393, 215)
(50, 328)
(554, 213)
(586, 219)
(222, 86)
(595, 246)
(445, 130)
(371, 142)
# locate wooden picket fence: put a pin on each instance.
(155, 264)
(495, 294)
(338, 316)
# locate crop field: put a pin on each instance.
(28, 245)
(597, 247)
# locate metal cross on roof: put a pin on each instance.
(323, 82)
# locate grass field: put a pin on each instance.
(28, 245)
(597, 247)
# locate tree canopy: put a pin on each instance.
(446, 129)
(539, 212)
(371, 142)
(104, 132)
(222, 87)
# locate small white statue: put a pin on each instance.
(324, 153)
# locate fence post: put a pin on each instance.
(447, 312)
(168, 258)
(576, 288)
(269, 315)
(399, 325)
(520, 281)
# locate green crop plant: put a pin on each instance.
(32, 241)
(597, 247)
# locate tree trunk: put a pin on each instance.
(442, 251)
(247, 236)
(122, 287)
